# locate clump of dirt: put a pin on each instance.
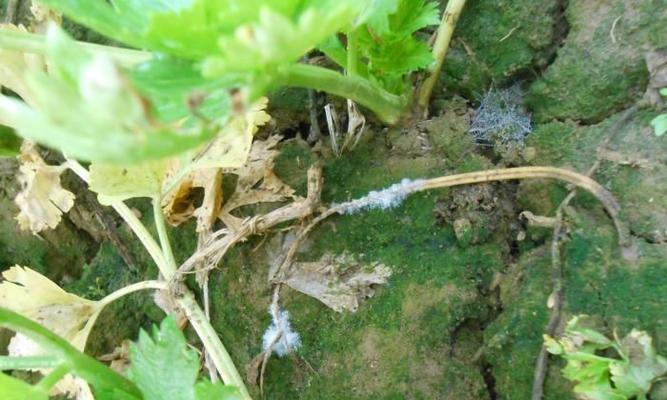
(472, 212)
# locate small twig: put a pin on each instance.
(613, 28)
(509, 34)
(556, 297)
(315, 132)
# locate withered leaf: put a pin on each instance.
(340, 282)
(257, 183)
(42, 200)
(229, 150)
(38, 298)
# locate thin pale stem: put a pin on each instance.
(216, 349)
(443, 38)
(135, 287)
(579, 180)
(130, 218)
(212, 343)
(164, 237)
(54, 376)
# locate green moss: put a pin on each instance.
(433, 290)
(57, 253)
(120, 320)
(292, 165)
(632, 168)
(593, 77)
(497, 40)
(514, 339)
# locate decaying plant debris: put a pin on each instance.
(341, 266)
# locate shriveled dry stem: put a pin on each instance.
(576, 179)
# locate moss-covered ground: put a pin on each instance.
(463, 313)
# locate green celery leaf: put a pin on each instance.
(87, 108)
(376, 14)
(15, 389)
(164, 365)
(659, 124)
(274, 38)
(183, 28)
(104, 18)
(171, 84)
(192, 31)
(389, 45)
(641, 366)
(603, 378)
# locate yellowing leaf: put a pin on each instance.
(33, 295)
(38, 298)
(340, 282)
(117, 182)
(228, 151)
(42, 200)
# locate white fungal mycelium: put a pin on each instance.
(279, 336)
(383, 199)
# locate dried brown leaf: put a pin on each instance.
(42, 200)
(229, 151)
(257, 183)
(180, 206)
(119, 358)
(340, 282)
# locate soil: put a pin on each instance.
(463, 313)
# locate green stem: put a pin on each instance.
(387, 106)
(352, 53)
(91, 370)
(221, 358)
(23, 363)
(33, 43)
(54, 376)
(212, 343)
(161, 227)
(134, 223)
(145, 238)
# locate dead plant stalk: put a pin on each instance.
(444, 36)
(574, 178)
